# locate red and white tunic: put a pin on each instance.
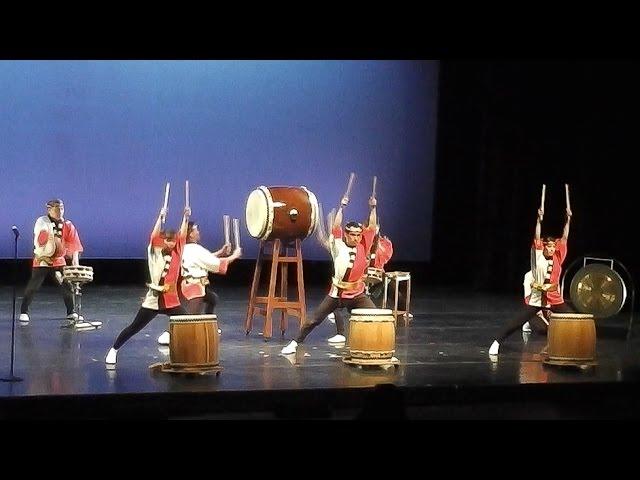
(349, 263)
(45, 233)
(197, 262)
(547, 270)
(164, 270)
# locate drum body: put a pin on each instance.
(77, 273)
(571, 337)
(194, 341)
(372, 335)
(286, 213)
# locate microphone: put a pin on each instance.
(15, 231)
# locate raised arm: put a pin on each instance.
(373, 216)
(158, 226)
(337, 222)
(185, 221)
(539, 224)
(224, 251)
(565, 231)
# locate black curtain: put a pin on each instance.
(507, 127)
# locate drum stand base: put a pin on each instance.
(80, 325)
(166, 367)
(85, 325)
(384, 363)
(581, 364)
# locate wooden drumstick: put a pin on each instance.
(375, 179)
(166, 200)
(236, 232)
(352, 177)
(226, 225)
(566, 192)
(544, 187)
(166, 195)
(186, 193)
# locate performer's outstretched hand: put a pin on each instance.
(163, 213)
(569, 213)
(345, 201)
(187, 211)
(540, 214)
(372, 202)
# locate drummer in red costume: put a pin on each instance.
(542, 294)
(164, 255)
(54, 239)
(197, 262)
(349, 250)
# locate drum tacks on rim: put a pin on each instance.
(77, 273)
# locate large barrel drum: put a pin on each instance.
(194, 341)
(571, 338)
(372, 335)
(286, 213)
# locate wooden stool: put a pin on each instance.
(398, 277)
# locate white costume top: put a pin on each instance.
(197, 262)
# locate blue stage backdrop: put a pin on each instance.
(105, 136)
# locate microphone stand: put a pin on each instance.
(12, 377)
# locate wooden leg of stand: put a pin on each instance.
(300, 280)
(284, 270)
(268, 323)
(254, 290)
(408, 301)
(384, 294)
(395, 301)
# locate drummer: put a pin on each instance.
(381, 253)
(543, 296)
(349, 251)
(55, 240)
(197, 262)
(164, 255)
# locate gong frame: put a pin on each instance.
(630, 285)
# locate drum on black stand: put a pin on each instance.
(77, 276)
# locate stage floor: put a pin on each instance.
(442, 354)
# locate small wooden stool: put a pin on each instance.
(398, 277)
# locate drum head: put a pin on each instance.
(599, 290)
(313, 202)
(77, 273)
(192, 318)
(257, 212)
(371, 311)
(570, 316)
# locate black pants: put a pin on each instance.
(376, 292)
(144, 316)
(328, 305)
(210, 300)
(529, 314)
(38, 274)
